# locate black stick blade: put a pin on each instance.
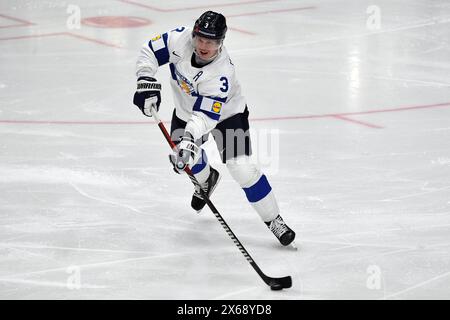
(280, 283)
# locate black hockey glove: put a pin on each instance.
(186, 153)
(148, 95)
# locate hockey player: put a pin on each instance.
(207, 98)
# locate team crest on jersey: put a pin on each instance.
(216, 107)
(184, 83)
(185, 87)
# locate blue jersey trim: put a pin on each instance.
(259, 190)
(172, 71)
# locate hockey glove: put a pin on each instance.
(185, 155)
(148, 95)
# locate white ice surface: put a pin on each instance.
(361, 170)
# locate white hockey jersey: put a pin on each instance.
(203, 96)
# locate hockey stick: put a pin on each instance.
(274, 283)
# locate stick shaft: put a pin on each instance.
(216, 213)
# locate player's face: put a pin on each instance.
(206, 48)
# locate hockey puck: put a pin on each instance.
(276, 287)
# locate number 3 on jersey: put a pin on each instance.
(224, 87)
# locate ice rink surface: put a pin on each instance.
(353, 98)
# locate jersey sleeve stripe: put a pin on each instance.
(159, 47)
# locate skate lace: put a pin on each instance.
(278, 227)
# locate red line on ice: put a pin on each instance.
(23, 23)
(92, 40)
(269, 11)
(243, 31)
(33, 36)
(193, 8)
(159, 9)
(341, 116)
(355, 113)
(70, 34)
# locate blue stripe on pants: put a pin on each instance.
(201, 163)
(259, 190)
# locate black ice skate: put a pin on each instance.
(208, 187)
(280, 229)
